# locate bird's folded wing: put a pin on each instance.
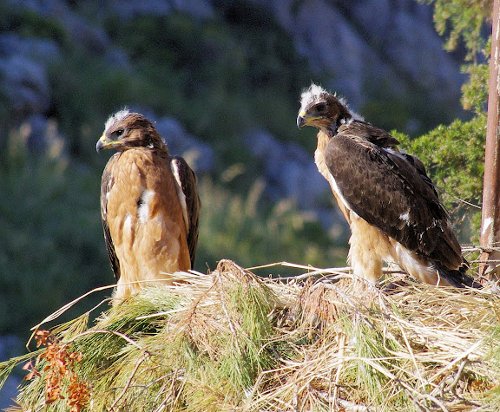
(106, 185)
(186, 180)
(387, 191)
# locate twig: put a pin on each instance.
(339, 368)
(457, 376)
(170, 312)
(112, 332)
(286, 264)
(318, 273)
(226, 312)
(129, 381)
(64, 308)
(464, 201)
(458, 359)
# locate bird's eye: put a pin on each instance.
(118, 133)
(320, 107)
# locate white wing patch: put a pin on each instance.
(347, 122)
(405, 217)
(180, 193)
(143, 212)
(397, 153)
(418, 268)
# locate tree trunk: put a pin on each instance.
(490, 224)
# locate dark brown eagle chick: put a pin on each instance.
(390, 203)
(149, 205)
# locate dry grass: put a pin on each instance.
(232, 341)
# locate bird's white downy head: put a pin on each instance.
(315, 93)
(116, 117)
(311, 95)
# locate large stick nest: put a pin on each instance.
(232, 341)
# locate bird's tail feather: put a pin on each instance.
(459, 277)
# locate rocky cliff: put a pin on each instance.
(383, 55)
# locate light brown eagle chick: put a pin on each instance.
(149, 206)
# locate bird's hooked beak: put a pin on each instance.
(301, 121)
(307, 119)
(304, 119)
(104, 143)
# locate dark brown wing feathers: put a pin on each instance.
(107, 182)
(391, 192)
(369, 132)
(189, 188)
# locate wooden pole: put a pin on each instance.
(490, 223)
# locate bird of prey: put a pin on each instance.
(390, 203)
(149, 205)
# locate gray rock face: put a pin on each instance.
(128, 9)
(289, 171)
(79, 29)
(390, 43)
(198, 154)
(23, 72)
(403, 36)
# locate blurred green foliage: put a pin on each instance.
(389, 108)
(462, 21)
(475, 90)
(233, 72)
(51, 237)
(30, 24)
(454, 157)
(230, 77)
(251, 232)
(454, 154)
(86, 89)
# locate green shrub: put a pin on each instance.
(454, 157)
(31, 24)
(239, 227)
(52, 247)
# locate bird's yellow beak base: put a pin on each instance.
(104, 143)
(303, 119)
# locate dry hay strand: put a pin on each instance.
(232, 341)
(419, 348)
